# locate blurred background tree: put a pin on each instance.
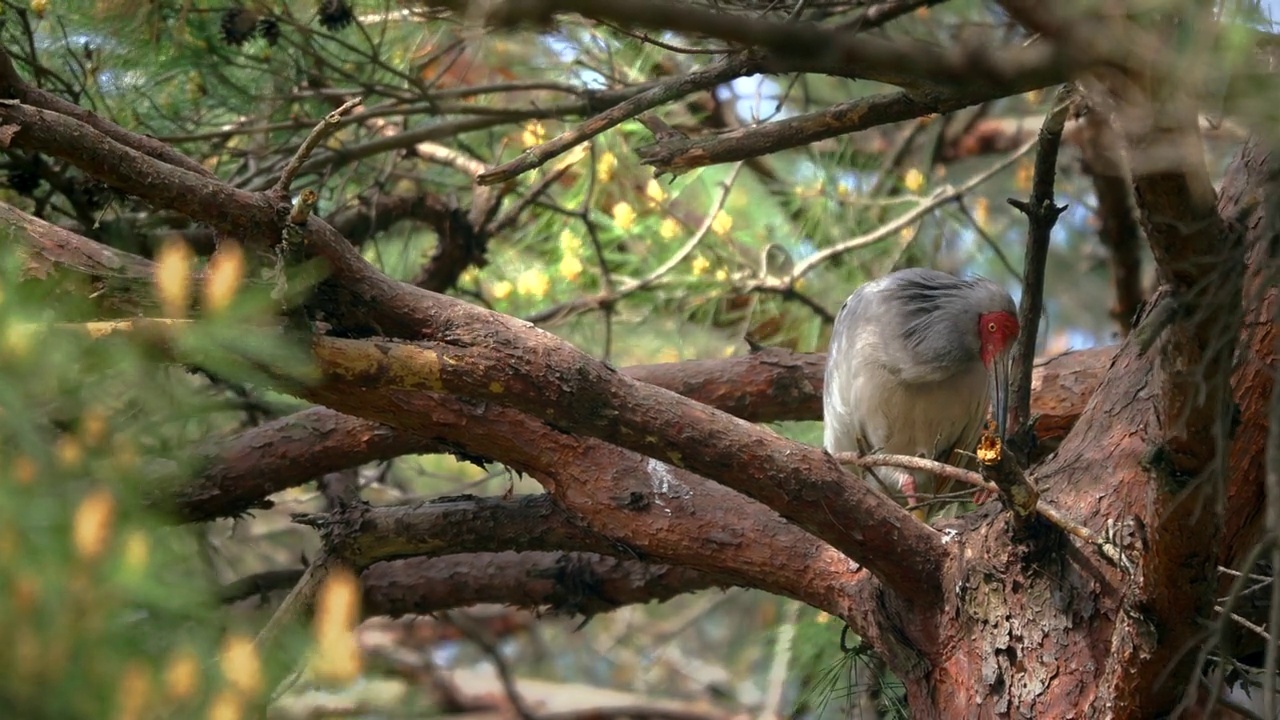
(113, 610)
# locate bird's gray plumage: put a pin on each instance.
(904, 373)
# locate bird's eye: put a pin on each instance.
(991, 327)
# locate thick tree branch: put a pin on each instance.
(540, 375)
(1199, 261)
(902, 62)
(241, 472)
(1173, 521)
(653, 508)
(570, 583)
(499, 358)
(681, 155)
(1103, 160)
(450, 526)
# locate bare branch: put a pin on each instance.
(463, 525)
(1103, 160)
(902, 62)
(322, 130)
(716, 74)
(1042, 215)
(569, 583)
(677, 156)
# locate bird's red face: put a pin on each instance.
(997, 331)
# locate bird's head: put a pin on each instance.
(997, 330)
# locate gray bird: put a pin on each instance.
(916, 358)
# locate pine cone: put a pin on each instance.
(335, 15)
(269, 30)
(238, 25)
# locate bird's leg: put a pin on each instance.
(909, 490)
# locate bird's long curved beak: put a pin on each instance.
(1000, 368)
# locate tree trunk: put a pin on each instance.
(1037, 624)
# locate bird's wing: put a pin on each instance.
(961, 454)
(842, 398)
(840, 431)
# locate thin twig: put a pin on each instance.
(1245, 623)
(710, 76)
(608, 298)
(317, 136)
(480, 637)
(298, 601)
(938, 199)
(911, 462)
(1042, 214)
(969, 477)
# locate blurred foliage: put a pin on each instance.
(108, 610)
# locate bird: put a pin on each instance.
(917, 358)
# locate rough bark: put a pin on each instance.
(1045, 628)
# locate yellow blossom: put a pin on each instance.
(173, 277)
(914, 180)
(226, 270)
(605, 166)
(94, 519)
(19, 340)
(534, 133)
(982, 212)
(700, 265)
(843, 191)
(654, 192)
(570, 267)
(670, 228)
(240, 664)
(182, 675)
(722, 274)
(69, 451)
(722, 223)
(569, 242)
(1026, 169)
(572, 157)
(226, 705)
(337, 654)
(533, 282)
(501, 289)
(623, 215)
(134, 693)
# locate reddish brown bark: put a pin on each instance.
(579, 583)
(1051, 630)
